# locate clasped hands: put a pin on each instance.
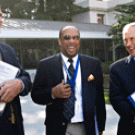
(9, 90)
(61, 90)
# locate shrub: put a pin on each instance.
(105, 67)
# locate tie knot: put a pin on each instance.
(70, 60)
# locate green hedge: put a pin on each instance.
(106, 94)
(105, 67)
(106, 81)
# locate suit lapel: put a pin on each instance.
(85, 71)
(130, 67)
(82, 65)
(58, 68)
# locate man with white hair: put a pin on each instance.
(122, 84)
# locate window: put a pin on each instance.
(100, 18)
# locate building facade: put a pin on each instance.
(101, 11)
(34, 40)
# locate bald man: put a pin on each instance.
(71, 85)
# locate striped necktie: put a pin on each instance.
(69, 103)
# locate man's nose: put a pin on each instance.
(129, 43)
(72, 40)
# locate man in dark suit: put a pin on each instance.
(122, 84)
(11, 122)
(51, 88)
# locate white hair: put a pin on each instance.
(126, 27)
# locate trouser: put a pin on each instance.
(76, 129)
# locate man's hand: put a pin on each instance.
(10, 89)
(62, 90)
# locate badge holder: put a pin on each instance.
(132, 98)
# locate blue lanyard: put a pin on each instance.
(72, 81)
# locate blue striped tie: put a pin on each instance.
(68, 112)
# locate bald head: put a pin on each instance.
(67, 27)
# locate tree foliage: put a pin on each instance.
(23, 10)
(7, 3)
(57, 10)
(60, 10)
(125, 15)
(4, 4)
(18, 8)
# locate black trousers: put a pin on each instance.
(126, 127)
(15, 130)
(6, 127)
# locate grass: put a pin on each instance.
(106, 94)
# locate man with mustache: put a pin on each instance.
(71, 85)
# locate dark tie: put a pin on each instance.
(69, 102)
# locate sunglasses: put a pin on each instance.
(66, 37)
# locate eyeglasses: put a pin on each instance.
(66, 37)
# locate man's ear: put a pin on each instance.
(59, 41)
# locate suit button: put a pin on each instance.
(63, 124)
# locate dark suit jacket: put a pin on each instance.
(122, 84)
(49, 74)
(9, 56)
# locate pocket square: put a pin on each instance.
(90, 78)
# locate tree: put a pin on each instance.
(125, 15)
(23, 9)
(18, 8)
(41, 6)
(60, 10)
(8, 3)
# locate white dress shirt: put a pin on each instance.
(78, 117)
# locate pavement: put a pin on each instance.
(34, 116)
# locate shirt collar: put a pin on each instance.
(66, 59)
(129, 58)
